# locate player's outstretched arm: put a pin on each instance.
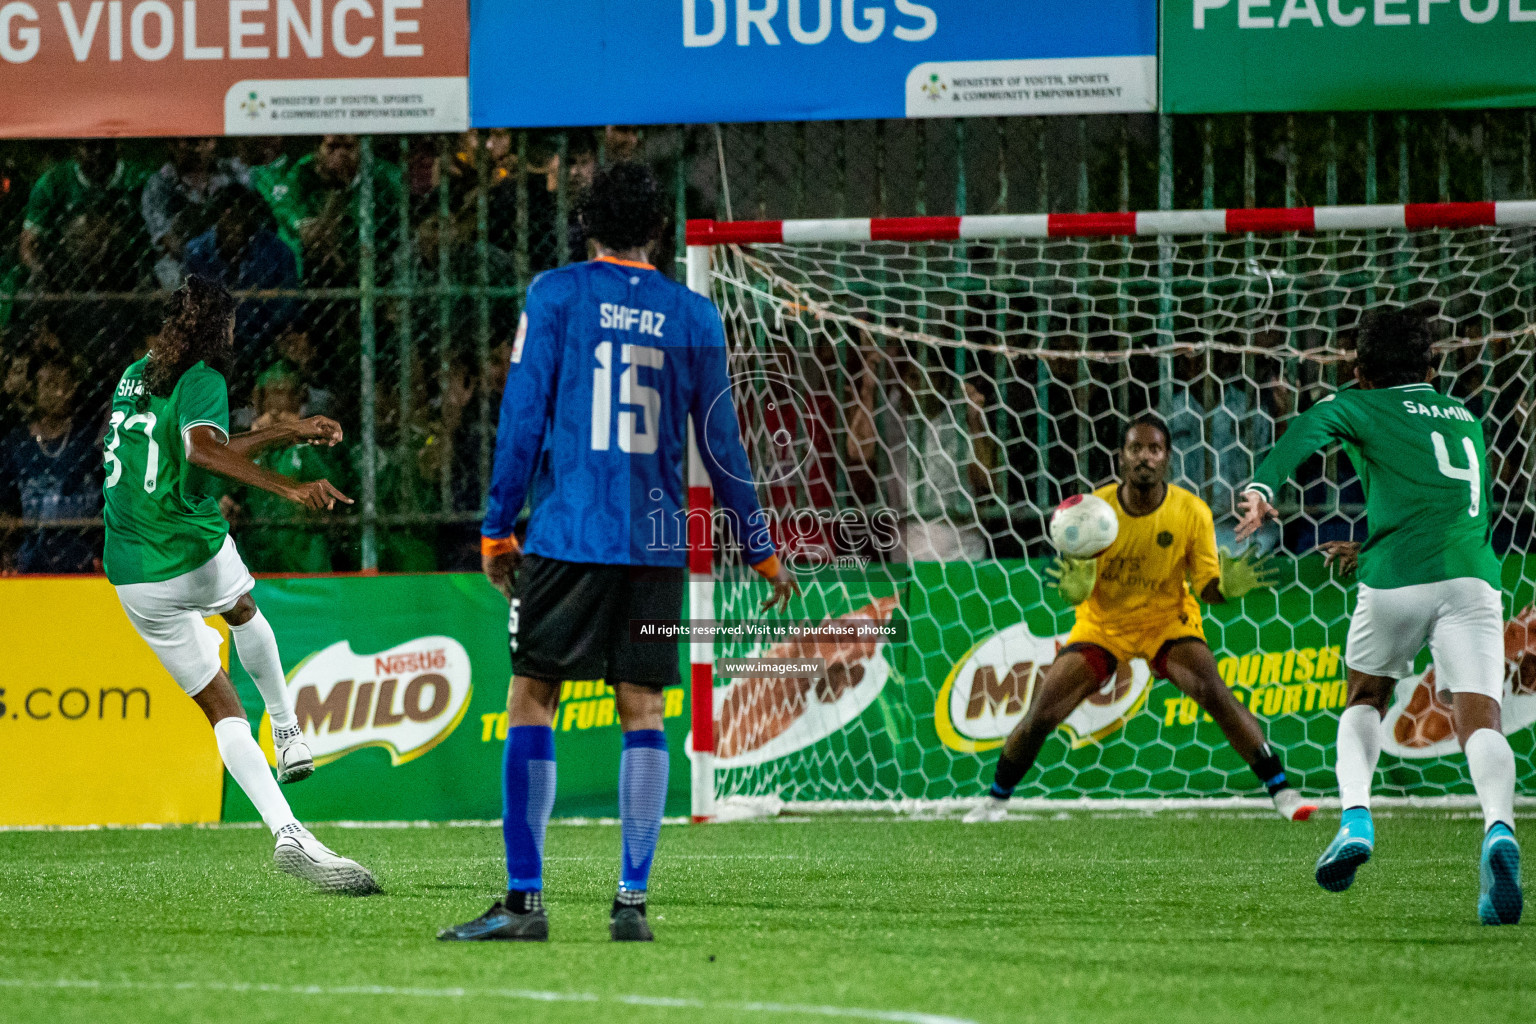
(207, 450)
(1253, 511)
(1326, 422)
(316, 430)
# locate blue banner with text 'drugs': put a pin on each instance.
(591, 62)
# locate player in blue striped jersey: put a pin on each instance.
(610, 362)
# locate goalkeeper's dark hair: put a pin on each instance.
(623, 208)
(1395, 346)
(196, 330)
(1147, 419)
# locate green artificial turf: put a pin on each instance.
(1082, 918)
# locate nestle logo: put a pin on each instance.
(411, 661)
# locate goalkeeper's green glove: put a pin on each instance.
(1073, 578)
(1243, 572)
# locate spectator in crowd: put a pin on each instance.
(295, 345)
(50, 471)
(436, 239)
(180, 200)
(786, 416)
(261, 162)
(404, 461)
(316, 205)
(27, 342)
(922, 439)
(95, 177)
(299, 540)
(501, 168)
(450, 456)
(103, 326)
(242, 251)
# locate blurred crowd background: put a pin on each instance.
(380, 283)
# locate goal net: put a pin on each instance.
(917, 396)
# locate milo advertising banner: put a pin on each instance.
(922, 716)
(400, 686)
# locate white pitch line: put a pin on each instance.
(522, 995)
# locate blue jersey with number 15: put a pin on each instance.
(611, 359)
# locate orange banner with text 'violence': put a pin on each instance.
(232, 67)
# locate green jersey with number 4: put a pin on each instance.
(162, 513)
(1423, 463)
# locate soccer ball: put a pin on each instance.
(1084, 526)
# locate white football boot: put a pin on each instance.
(294, 762)
(1290, 805)
(302, 855)
(990, 809)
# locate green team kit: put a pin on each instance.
(1423, 463)
(161, 513)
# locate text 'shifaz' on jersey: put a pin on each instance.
(611, 359)
(1422, 461)
(161, 513)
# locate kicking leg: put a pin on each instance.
(298, 852)
(1479, 729)
(256, 645)
(642, 797)
(528, 797)
(1357, 750)
(1189, 665)
(1076, 673)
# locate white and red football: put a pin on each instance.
(1084, 526)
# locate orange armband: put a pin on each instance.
(768, 567)
(493, 546)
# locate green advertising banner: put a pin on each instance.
(1221, 56)
(400, 684)
(926, 715)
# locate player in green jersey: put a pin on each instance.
(169, 554)
(1427, 573)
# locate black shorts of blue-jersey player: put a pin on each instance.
(581, 621)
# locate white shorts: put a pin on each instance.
(169, 615)
(1462, 619)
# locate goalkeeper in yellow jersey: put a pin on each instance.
(1138, 600)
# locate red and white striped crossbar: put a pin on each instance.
(1409, 217)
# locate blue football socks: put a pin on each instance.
(642, 796)
(528, 797)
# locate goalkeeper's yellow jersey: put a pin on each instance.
(1149, 576)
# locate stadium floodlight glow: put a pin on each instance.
(1027, 340)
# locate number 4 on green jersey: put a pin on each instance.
(1422, 460)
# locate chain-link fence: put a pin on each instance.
(380, 279)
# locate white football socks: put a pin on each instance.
(248, 765)
(256, 645)
(1493, 774)
(1358, 748)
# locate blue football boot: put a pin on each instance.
(1351, 848)
(1501, 900)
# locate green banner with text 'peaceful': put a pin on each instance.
(1223, 56)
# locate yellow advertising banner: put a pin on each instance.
(92, 730)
